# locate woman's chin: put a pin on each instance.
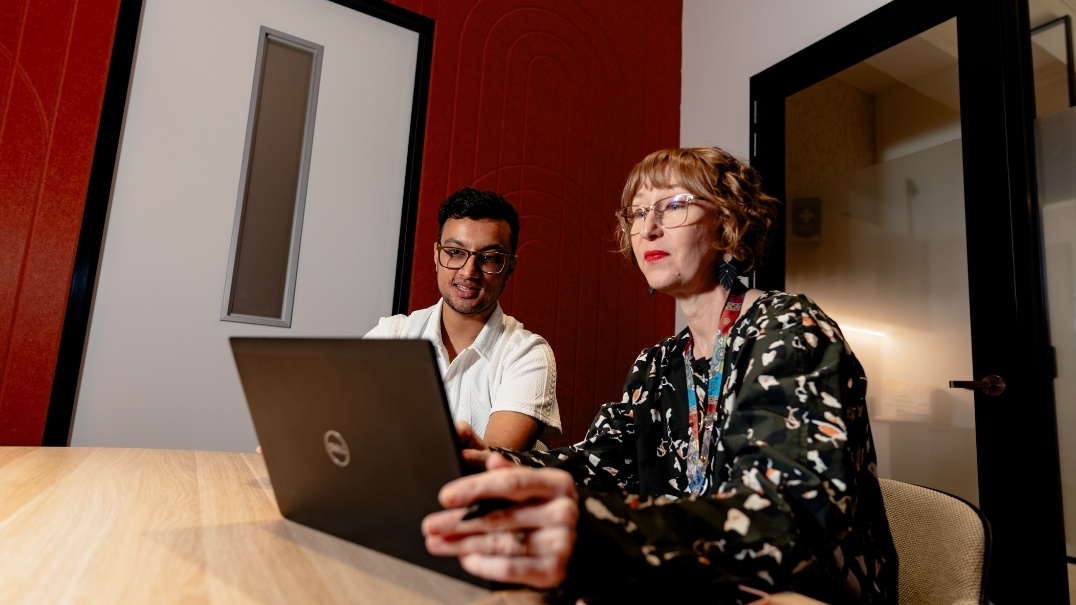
(662, 287)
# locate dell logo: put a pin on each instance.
(336, 447)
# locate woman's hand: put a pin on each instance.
(475, 451)
(529, 543)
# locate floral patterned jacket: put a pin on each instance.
(791, 502)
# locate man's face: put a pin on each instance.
(467, 290)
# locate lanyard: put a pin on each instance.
(698, 450)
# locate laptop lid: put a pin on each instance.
(357, 437)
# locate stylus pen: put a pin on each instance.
(487, 506)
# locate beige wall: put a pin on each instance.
(909, 121)
(829, 131)
(727, 42)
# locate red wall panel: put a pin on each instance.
(53, 66)
(550, 103)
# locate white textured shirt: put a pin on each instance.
(506, 368)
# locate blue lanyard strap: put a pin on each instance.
(698, 450)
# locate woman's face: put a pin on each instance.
(678, 261)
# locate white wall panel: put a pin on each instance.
(158, 371)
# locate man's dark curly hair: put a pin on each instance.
(478, 204)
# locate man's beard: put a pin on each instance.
(477, 310)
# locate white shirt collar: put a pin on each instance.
(483, 343)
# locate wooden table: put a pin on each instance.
(95, 525)
(98, 525)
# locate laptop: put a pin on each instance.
(357, 437)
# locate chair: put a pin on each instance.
(943, 545)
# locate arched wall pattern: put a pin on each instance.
(53, 65)
(550, 103)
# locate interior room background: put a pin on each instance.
(548, 102)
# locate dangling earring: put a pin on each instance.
(727, 272)
(651, 288)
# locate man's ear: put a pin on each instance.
(512, 265)
(435, 253)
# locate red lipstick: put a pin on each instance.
(654, 255)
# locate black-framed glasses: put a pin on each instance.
(670, 212)
(487, 262)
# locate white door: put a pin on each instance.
(158, 371)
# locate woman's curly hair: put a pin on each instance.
(747, 214)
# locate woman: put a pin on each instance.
(760, 473)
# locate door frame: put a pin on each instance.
(1021, 481)
(61, 412)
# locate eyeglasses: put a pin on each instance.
(487, 262)
(670, 213)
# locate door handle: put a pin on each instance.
(991, 385)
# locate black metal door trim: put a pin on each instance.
(1016, 432)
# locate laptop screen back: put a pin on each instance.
(357, 437)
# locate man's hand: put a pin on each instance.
(529, 543)
(475, 451)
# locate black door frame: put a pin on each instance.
(1016, 432)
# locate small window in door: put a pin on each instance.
(264, 255)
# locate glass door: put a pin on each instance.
(876, 235)
(900, 146)
(1055, 160)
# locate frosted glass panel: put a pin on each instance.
(876, 236)
(889, 263)
(1055, 136)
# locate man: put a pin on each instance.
(499, 377)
